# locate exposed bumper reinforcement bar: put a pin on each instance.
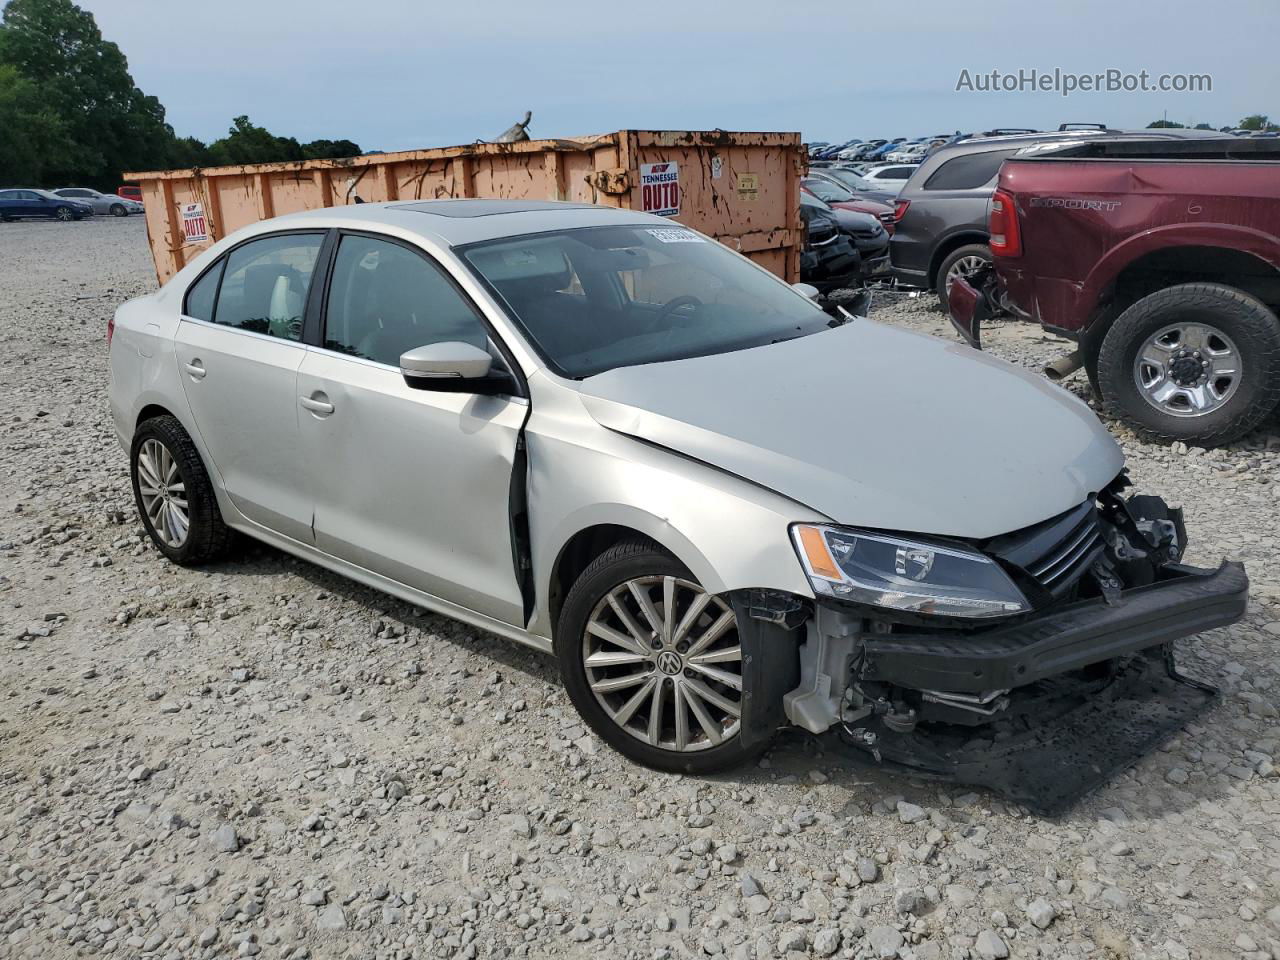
(1066, 638)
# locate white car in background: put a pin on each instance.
(890, 177)
(102, 203)
(911, 153)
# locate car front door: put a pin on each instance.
(238, 347)
(411, 484)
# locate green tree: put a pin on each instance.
(247, 143)
(34, 136)
(1164, 125)
(84, 80)
(70, 112)
(330, 149)
(1257, 121)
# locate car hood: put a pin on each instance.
(873, 426)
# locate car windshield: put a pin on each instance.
(597, 298)
(828, 191)
(851, 181)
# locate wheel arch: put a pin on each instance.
(589, 542)
(1118, 282)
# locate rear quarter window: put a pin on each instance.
(202, 294)
(968, 172)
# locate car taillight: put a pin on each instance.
(111, 329)
(900, 209)
(1006, 236)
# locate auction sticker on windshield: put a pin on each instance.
(660, 188)
(195, 226)
(674, 235)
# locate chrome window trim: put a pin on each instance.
(184, 318)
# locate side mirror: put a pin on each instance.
(453, 367)
(806, 290)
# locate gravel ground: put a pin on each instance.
(261, 758)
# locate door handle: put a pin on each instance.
(317, 403)
(196, 369)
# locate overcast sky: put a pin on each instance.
(399, 74)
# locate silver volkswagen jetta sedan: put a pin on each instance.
(609, 437)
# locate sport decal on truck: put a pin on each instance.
(1074, 203)
(660, 188)
(195, 226)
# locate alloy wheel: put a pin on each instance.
(662, 657)
(64, 214)
(964, 267)
(163, 493)
(1187, 369)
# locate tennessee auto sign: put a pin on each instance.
(660, 188)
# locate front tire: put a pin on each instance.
(65, 214)
(1197, 362)
(173, 494)
(118, 210)
(653, 663)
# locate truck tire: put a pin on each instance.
(961, 261)
(1198, 362)
(621, 667)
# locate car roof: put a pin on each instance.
(458, 222)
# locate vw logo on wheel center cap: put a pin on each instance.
(670, 663)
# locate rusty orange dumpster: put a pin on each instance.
(741, 188)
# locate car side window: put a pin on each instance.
(202, 294)
(968, 172)
(385, 299)
(265, 283)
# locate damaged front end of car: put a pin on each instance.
(1035, 663)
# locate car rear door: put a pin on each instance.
(412, 484)
(239, 346)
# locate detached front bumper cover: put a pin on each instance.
(1189, 601)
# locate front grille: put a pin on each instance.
(1056, 552)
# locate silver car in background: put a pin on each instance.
(103, 203)
(606, 436)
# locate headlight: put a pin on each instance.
(905, 575)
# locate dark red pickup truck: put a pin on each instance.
(1162, 260)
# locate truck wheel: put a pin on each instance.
(961, 262)
(174, 496)
(1199, 362)
(653, 662)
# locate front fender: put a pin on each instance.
(731, 534)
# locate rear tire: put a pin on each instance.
(961, 261)
(174, 496)
(655, 670)
(1224, 331)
